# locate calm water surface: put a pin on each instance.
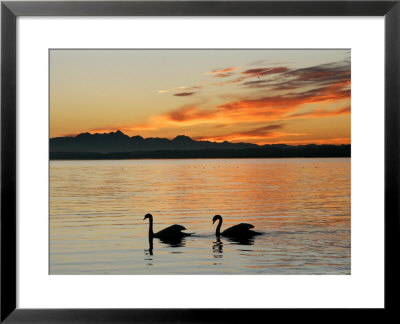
(302, 206)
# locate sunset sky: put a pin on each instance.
(255, 96)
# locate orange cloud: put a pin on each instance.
(190, 112)
(324, 113)
(221, 71)
(262, 132)
(335, 141)
(333, 92)
(260, 138)
(268, 108)
(222, 75)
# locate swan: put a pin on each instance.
(242, 230)
(173, 232)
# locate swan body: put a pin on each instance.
(168, 233)
(171, 231)
(242, 230)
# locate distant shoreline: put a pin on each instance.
(299, 157)
(312, 151)
(119, 146)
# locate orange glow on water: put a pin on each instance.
(97, 209)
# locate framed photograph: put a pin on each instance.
(197, 161)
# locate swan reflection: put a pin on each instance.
(173, 241)
(217, 248)
(150, 250)
(149, 253)
(242, 240)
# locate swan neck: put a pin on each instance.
(218, 232)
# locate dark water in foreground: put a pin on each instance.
(302, 206)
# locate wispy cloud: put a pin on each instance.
(322, 113)
(184, 94)
(183, 90)
(251, 73)
(195, 88)
(264, 71)
(289, 101)
(222, 75)
(223, 71)
(263, 131)
(313, 140)
(314, 76)
(189, 112)
(268, 108)
(259, 135)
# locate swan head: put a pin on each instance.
(216, 217)
(148, 216)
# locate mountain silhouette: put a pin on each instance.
(119, 145)
(119, 142)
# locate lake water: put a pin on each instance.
(301, 205)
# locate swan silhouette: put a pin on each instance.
(170, 234)
(239, 231)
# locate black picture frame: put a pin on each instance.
(10, 10)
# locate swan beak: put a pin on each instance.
(144, 218)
